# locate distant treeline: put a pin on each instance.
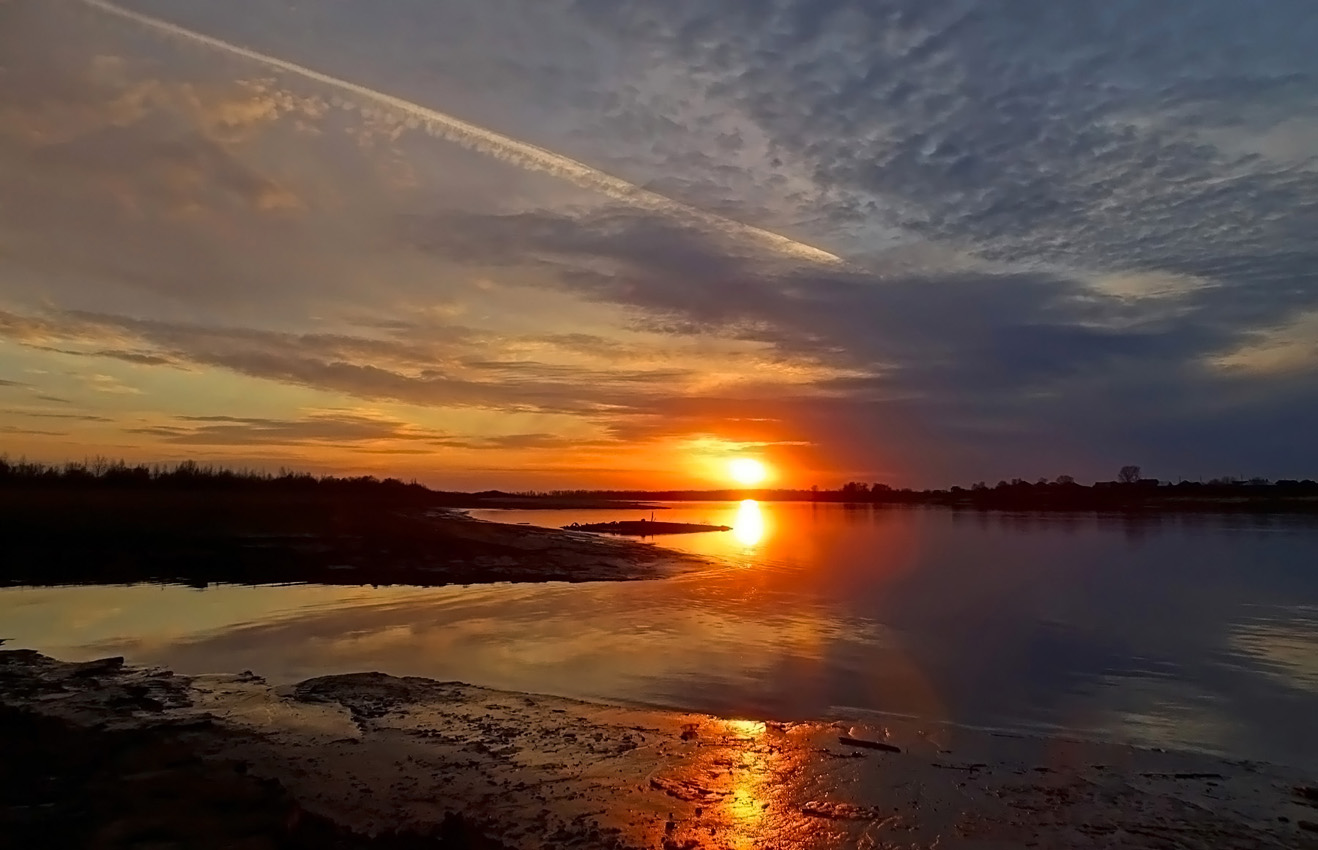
(1131, 491)
(190, 475)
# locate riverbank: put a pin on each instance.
(266, 537)
(135, 756)
(1146, 497)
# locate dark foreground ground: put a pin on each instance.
(199, 536)
(107, 756)
(66, 785)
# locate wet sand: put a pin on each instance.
(373, 760)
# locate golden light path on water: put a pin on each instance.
(481, 140)
(748, 527)
(752, 782)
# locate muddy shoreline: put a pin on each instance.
(369, 760)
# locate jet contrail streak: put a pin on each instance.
(488, 142)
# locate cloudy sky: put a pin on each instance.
(541, 243)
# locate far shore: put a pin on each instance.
(197, 527)
(508, 502)
(103, 754)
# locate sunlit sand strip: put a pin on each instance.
(490, 143)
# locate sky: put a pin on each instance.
(537, 244)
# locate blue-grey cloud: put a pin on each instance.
(1074, 133)
(1007, 359)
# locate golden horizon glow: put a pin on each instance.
(747, 471)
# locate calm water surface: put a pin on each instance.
(1196, 631)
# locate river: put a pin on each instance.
(1197, 632)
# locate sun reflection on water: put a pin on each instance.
(748, 527)
(746, 728)
(751, 780)
(738, 779)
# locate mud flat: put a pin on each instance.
(114, 756)
(644, 528)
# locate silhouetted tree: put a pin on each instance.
(1064, 481)
(1129, 474)
(855, 490)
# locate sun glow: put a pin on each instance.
(747, 471)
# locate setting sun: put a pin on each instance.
(747, 470)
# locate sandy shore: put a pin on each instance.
(369, 760)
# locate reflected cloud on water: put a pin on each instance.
(1288, 653)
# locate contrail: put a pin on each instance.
(490, 143)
